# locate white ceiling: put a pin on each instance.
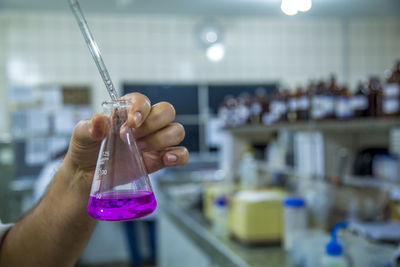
(335, 8)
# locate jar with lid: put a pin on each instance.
(295, 220)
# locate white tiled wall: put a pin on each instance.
(48, 48)
(374, 45)
(3, 110)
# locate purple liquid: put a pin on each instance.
(123, 206)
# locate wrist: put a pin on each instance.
(76, 181)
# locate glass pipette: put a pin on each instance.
(94, 49)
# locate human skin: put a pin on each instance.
(57, 230)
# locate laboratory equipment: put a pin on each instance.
(248, 169)
(295, 219)
(121, 188)
(220, 216)
(94, 49)
(334, 256)
(255, 216)
(308, 246)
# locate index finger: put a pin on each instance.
(139, 110)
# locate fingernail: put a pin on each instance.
(137, 117)
(172, 158)
(141, 145)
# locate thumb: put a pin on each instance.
(87, 132)
(86, 139)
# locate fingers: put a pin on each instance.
(161, 115)
(172, 156)
(139, 110)
(171, 135)
(176, 156)
(91, 131)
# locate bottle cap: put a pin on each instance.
(220, 201)
(333, 248)
(294, 202)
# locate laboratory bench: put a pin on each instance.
(186, 238)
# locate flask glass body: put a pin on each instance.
(121, 188)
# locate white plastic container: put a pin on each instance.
(334, 256)
(248, 171)
(295, 220)
(220, 211)
(334, 261)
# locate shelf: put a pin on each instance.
(332, 126)
(368, 182)
(347, 180)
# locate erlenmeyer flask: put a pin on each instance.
(121, 188)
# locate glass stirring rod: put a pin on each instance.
(94, 50)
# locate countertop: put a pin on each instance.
(222, 250)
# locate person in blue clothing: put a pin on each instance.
(56, 231)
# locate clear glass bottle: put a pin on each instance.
(121, 188)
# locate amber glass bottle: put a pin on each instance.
(277, 107)
(303, 104)
(391, 92)
(359, 101)
(291, 99)
(260, 105)
(242, 110)
(343, 108)
(375, 96)
(256, 106)
(331, 91)
(317, 102)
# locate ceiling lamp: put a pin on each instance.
(215, 52)
(210, 37)
(291, 7)
(304, 5)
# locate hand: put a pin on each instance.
(153, 128)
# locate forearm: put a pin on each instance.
(57, 230)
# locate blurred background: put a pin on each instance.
(291, 110)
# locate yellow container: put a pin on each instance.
(256, 216)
